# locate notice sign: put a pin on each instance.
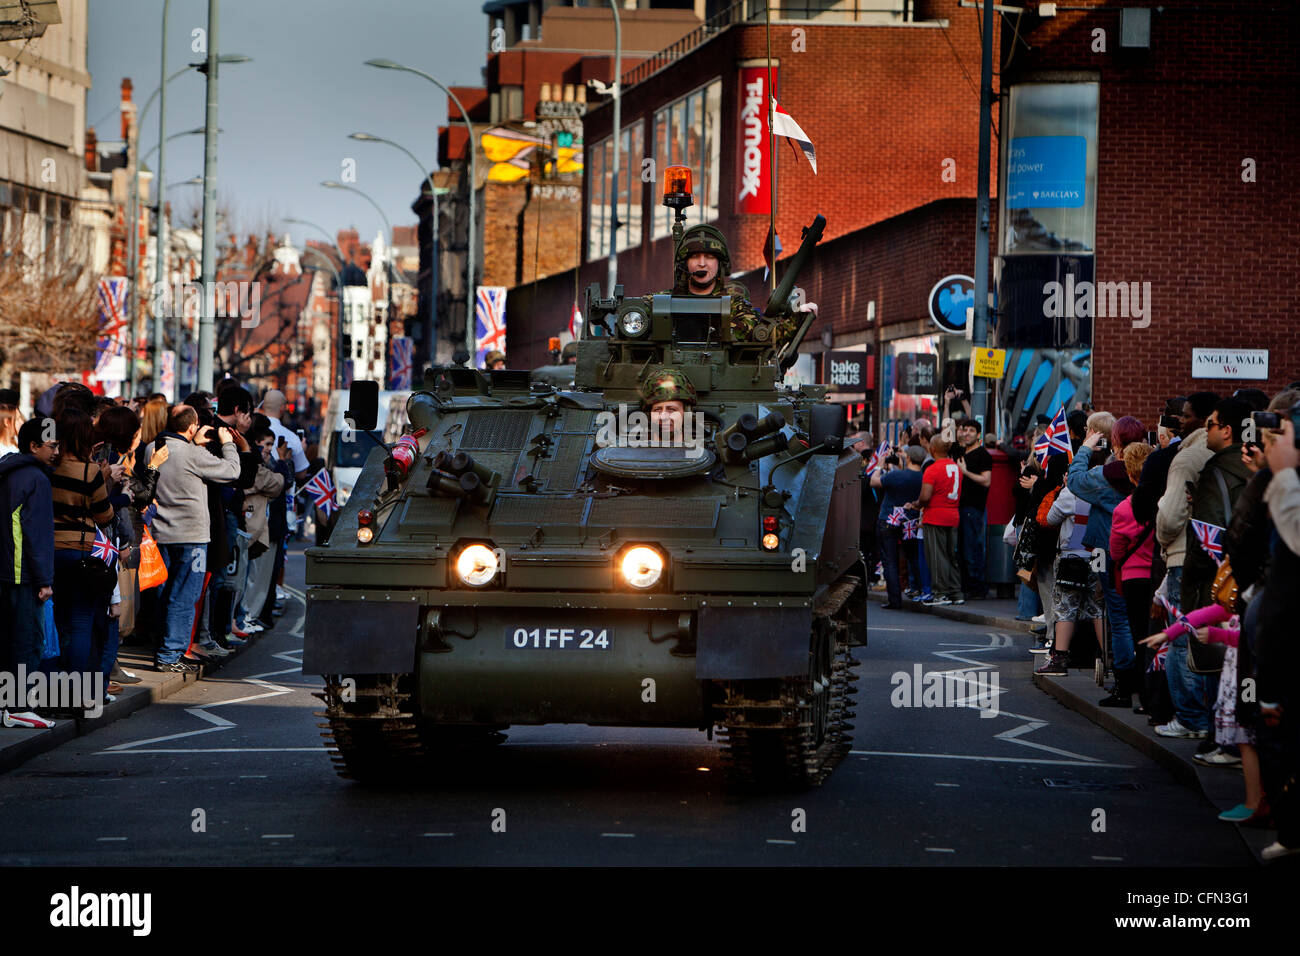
(988, 363)
(1230, 363)
(847, 371)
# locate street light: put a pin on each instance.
(431, 319)
(473, 189)
(338, 285)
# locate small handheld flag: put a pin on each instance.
(104, 548)
(321, 489)
(1210, 538)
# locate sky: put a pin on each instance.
(288, 113)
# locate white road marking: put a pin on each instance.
(1063, 763)
(876, 627)
(1113, 859)
(108, 839)
(618, 834)
(939, 849)
(439, 834)
(252, 776)
(947, 784)
(277, 836)
(786, 842)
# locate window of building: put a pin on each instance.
(688, 133)
(512, 103)
(600, 191)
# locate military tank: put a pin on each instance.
(522, 556)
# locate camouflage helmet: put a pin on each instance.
(701, 238)
(666, 384)
(495, 355)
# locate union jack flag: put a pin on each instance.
(877, 457)
(399, 362)
(1040, 450)
(489, 321)
(1210, 537)
(322, 490)
(896, 518)
(112, 309)
(1058, 436)
(912, 530)
(104, 548)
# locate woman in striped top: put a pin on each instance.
(80, 506)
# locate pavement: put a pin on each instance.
(19, 744)
(1079, 691)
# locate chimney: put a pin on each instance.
(128, 109)
(92, 151)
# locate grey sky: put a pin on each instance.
(287, 114)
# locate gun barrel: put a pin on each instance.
(779, 302)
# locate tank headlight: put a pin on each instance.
(770, 542)
(365, 534)
(477, 565)
(633, 323)
(642, 566)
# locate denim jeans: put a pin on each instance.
(108, 637)
(186, 567)
(1193, 694)
(891, 539)
(923, 567)
(77, 611)
(972, 531)
(22, 627)
(1174, 587)
(1122, 651)
(1028, 604)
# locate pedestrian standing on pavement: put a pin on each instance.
(26, 557)
(183, 528)
(940, 517)
(976, 466)
(1131, 548)
(267, 485)
(1076, 587)
(897, 489)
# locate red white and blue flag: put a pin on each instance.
(877, 458)
(1040, 450)
(1058, 435)
(104, 548)
(897, 517)
(783, 124)
(399, 362)
(912, 530)
(1210, 537)
(111, 343)
(575, 322)
(321, 489)
(489, 321)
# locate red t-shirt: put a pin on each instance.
(945, 476)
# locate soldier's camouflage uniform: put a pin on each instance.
(744, 318)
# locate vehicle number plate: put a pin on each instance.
(558, 638)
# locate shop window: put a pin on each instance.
(601, 199)
(687, 132)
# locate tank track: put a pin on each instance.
(793, 732)
(374, 738)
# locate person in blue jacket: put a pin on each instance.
(26, 557)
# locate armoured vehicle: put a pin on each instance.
(526, 555)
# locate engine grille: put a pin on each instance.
(495, 430)
(535, 510)
(653, 513)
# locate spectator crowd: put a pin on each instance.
(1172, 554)
(140, 523)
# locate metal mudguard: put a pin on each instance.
(362, 636)
(737, 643)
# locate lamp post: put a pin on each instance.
(618, 140)
(431, 319)
(473, 189)
(338, 285)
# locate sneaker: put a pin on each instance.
(281, 595)
(925, 598)
(213, 650)
(938, 602)
(1275, 851)
(1176, 729)
(175, 667)
(959, 600)
(248, 627)
(1042, 648)
(233, 639)
(1056, 665)
(1237, 814)
(25, 718)
(1039, 619)
(1218, 757)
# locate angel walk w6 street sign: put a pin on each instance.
(1230, 363)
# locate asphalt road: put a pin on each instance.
(241, 754)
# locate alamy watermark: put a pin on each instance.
(230, 300)
(974, 688)
(61, 690)
(660, 428)
(1086, 300)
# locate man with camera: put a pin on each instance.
(182, 527)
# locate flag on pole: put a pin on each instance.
(321, 489)
(1210, 537)
(1058, 435)
(110, 351)
(783, 124)
(877, 458)
(489, 321)
(768, 258)
(399, 362)
(1040, 450)
(104, 548)
(575, 322)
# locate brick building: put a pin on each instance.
(886, 99)
(1176, 127)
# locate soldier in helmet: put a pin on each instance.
(494, 360)
(666, 394)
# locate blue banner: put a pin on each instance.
(1046, 172)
